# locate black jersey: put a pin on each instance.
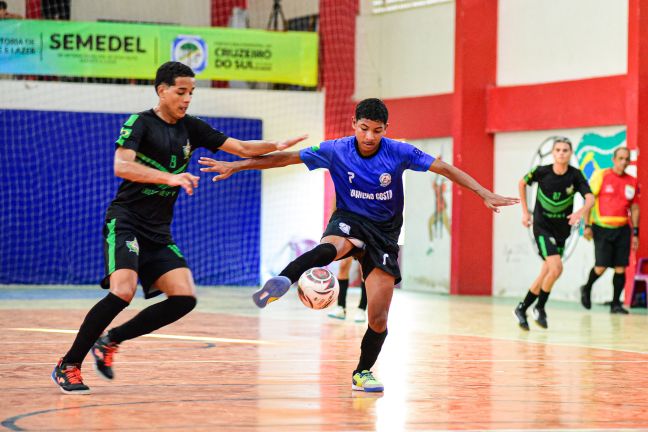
(555, 197)
(165, 147)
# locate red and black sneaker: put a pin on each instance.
(68, 377)
(103, 351)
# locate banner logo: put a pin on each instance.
(190, 50)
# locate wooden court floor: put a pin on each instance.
(449, 363)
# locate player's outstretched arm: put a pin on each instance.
(491, 200)
(128, 168)
(258, 147)
(226, 169)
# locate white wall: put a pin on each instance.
(17, 7)
(292, 198)
(259, 10)
(408, 53)
(516, 262)
(186, 12)
(426, 247)
(557, 40)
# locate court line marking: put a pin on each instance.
(158, 336)
(549, 343)
(11, 422)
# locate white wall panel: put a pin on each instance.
(186, 12)
(259, 10)
(408, 53)
(428, 215)
(557, 40)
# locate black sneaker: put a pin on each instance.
(586, 297)
(520, 314)
(68, 377)
(617, 308)
(103, 351)
(540, 316)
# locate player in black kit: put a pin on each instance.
(152, 153)
(553, 217)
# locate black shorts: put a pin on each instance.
(125, 247)
(549, 241)
(612, 246)
(380, 241)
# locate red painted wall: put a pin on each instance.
(471, 266)
(559, 105)
(420, 117)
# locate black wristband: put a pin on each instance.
(635, 231)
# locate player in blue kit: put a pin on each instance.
(367, 170)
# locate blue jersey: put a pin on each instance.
(369, 186)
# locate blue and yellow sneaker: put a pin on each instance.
(272, 290)
(365, 381)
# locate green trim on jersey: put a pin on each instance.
(155, 164)
(554, 206)
(543, 246)
(131, 120)
(110, 239)
(126, 130)
(175, 250)
(529, 176)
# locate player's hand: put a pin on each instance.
(574, 218)
(588, 234)
(186, 181)
(527, 220)
(494, 201)
(225, 169)
(635, 243)
(283, 145)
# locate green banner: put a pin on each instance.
(112, 50)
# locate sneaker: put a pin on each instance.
(68, 377)
(365, 381)
(360, 316)
(272, 290)
(586, 297)
(540, 317)
(520, 314)
(617, 308)
(338, 313)
(103, 351)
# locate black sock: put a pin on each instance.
(363, 296)
(372, 343)
(528, 300)
(153, 318)
(542, 299)
(95, 322)
(618, 281)
(591, 279)
(344, 286)
(321, 255)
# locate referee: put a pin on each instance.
(151, 156)
(616, 205)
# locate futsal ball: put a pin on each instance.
(317, 288)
